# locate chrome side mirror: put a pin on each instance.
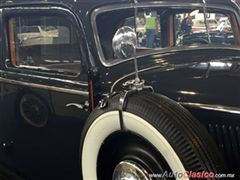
(124, 42)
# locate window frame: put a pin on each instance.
(109, 8)
(42, 10)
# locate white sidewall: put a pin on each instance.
(108, 123)
(101, 128)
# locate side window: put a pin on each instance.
(192, 29)
(147, 26)
(44, 43)
(106, 31)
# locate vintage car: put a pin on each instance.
(87, 101)
(35, 35)
(199, 25)
(216, 37)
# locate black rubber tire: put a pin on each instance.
(189, 139)
(130, 147)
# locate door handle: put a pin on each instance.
(83, 106)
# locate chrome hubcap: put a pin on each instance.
(129, 170)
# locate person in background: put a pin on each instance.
(186, 25)
(151, 26)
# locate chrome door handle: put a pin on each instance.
(79, 106)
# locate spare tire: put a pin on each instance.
(155, 137)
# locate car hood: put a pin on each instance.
(188, 75)
(182, 57)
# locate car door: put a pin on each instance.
(45, 91)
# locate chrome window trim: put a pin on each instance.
(100, 10)
(45, 87)
(220, 108)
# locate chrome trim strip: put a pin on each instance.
(73, 82)
(227, 109)
(100, 10)
(45, 87)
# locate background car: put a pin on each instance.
(199, 25)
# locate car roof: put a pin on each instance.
(5, 2)
(87, 6)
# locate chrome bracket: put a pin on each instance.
(122, 106)
(137, 85)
